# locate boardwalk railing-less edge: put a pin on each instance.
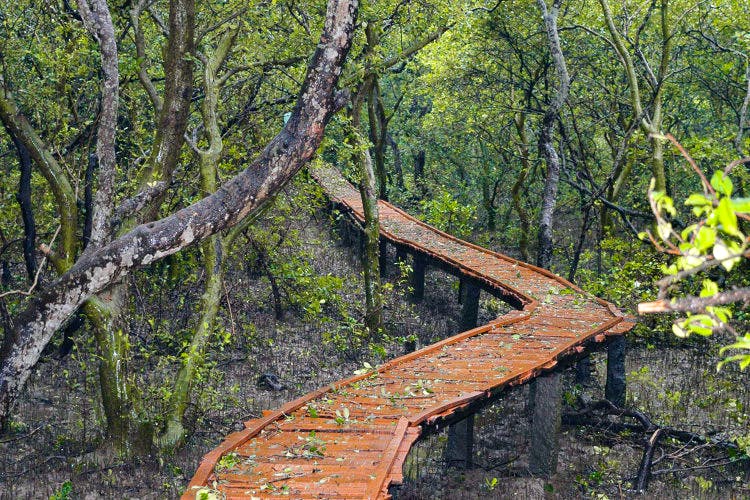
(306, 450)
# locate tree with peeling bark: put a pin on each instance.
(546, 140)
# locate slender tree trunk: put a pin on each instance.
(516, 191)
(579, 247)
(742, 119)
(378, 131)
(127, 429)
(546, 145)
(212, 249)
(368, 192)
(88, 200)
(27, 210)
(371, 256)
(419, 161)
(397, 162)
(174, 431)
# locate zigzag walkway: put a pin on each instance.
(350, 439)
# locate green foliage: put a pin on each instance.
(446, 213)
(228, 461)
(631, 268)
(64, 493)
(713, 243)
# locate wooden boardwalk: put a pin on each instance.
(350, 439)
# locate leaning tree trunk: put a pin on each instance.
(546, 145)
(247, 192)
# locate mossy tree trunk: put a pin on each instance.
(212, 249)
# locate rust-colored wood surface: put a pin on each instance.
(305, 449)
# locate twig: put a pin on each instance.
(229, 307)
(36, 466)
(695, 304)
(686, 155)
(697, 467)
(22, 436)
(648, 454)
(38, 272)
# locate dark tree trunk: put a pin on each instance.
(88, 200)
(397, 162)
(27, 210)
(419, 162)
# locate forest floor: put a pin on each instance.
(52, 447)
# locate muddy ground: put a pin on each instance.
(52, 447)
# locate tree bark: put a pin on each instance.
(97, 19)
(378, 130)
(65, 200)
(27, 210)
(546, 216)
(248, 191)
(519, 120)
(397, 162)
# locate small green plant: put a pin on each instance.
(419, 388)
(228, 461)
(311, 446)
(64, 492)
(366, 368)
(342, 416)
(312, 411)
(490, 484)
(208, 494)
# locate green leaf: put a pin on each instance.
(701, 324)
(710, 288)
(665, 230)
(727, 217)
(721, 183)
(705, 238)
(697, 200)
(741, 205)
(742, 343)
(679, 331)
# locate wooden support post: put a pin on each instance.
(459, 451)
(383, 258)
(583, 371)
(400, 254)
(419, 262)
(545, 424)
(460, 448)
(615, 388)
(344, 230)
(470, 305)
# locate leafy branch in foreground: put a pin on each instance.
(714, 241)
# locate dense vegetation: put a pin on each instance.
(534, 128)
